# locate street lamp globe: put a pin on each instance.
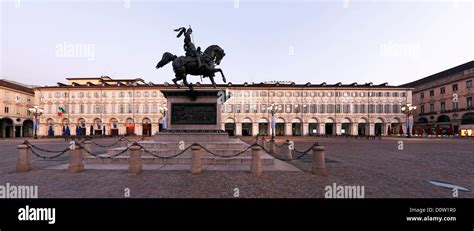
(36, 111)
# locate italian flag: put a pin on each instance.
(61, 111)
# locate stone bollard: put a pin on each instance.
(135, 167)
(24, 158)
(264, 143)
(287, 152)
(256, 167)
(76, 160)
(196, 167)
(272, 147)
(319, 164)
(87, 147)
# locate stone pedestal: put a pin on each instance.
(197, 109)
(193, 116)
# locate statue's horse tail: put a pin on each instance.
(167, 57)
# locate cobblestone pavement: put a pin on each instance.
(378, 165)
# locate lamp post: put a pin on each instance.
(273, 109)
(36, 111)
(163, 109)
(408, 110)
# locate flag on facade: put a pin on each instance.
(61, 110)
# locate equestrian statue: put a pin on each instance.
(195, 62)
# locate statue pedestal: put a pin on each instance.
(193, 116)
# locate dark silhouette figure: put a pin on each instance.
(195, 62)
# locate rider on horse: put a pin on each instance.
(189, 46)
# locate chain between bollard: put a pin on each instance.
(32, 148)
(303, 153)
(307, 150)
(116, 142)
(162, 157)
(229, 156)
(26, 142)
(97, 155)
(110, 145)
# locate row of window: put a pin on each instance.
(313, 108)
(16, 98)
(104, 94)
(102, 109)
(314, 94)
(442, 106)
(236, 94)
(442, 90)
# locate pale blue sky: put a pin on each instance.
(301, 41)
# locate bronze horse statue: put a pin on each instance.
(184, 65)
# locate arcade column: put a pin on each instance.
(322, 129)
(371, 129)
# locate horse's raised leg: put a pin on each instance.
(212, 81)
(222, 73)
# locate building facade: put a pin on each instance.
(102, 105)
(15, 119)
(445, 101)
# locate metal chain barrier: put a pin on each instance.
(223, 156)
(32, 147)
(123, 138)
(303, 153)
(97, 155)
(110, 145)
(26, 142)
(163, 157)
(268, 151)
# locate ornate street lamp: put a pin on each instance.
(37, 112)
(273, 110)
(163, 109)
(408, 110)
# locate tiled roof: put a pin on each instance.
(15, 86)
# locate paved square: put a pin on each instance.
(378, 165)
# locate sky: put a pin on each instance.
(44, 42)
